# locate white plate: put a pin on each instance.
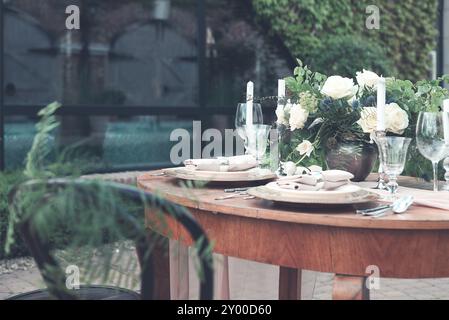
(212, 176)
(350, 194)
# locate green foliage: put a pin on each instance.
(431, 93)
(40, 150)
(423, 96)
(84, 215)
(42, 162)
(304, 80)
(67, 217)
(335, 121)
(338, 116)
(407, 30)
(346, 55)
(427, 96)
(7, 181)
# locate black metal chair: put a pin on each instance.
(55, 278)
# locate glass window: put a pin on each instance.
(127, 52)
(135, 56)
(98, 142)
(30, 70)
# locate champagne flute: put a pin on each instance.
(240, 118)
(430, 139)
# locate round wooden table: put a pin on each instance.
(409, 246)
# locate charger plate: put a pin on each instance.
(350, 194)
(252, 175)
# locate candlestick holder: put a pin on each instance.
(446, 176)
(381, 183)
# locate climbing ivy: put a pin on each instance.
(407, 33)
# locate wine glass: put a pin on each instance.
(446, 176)
(240, 118)
(257, 140)
(430, 139)
(393, 153)
(381, 184)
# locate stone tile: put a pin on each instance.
(251, 280)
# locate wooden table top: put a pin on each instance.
(204, 199)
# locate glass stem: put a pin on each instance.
(435, 176)
(381, 173)
(381, 185)
(393, 186)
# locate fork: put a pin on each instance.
(235, 195)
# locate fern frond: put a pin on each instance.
(40, 150)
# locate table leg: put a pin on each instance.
(179, 271)
(350, 288)
(161, 270)
(221, 280)
(289, 284)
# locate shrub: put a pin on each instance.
(407, 29)
(346, 55)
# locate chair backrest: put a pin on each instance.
(53, 275)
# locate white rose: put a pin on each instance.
(305, 148)
(338, 87)
(396, 118)
(289, 168)
(368, 120)
(367, 79)
(298, 117)
(282, 118)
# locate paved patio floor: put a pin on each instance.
(251, 280)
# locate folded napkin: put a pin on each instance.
(223, 164)
(315, 181)
(423, 198)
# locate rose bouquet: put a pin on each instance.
(330, 121)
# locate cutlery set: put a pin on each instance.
(236, 193)
(400, 206)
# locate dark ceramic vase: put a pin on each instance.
(358, 158)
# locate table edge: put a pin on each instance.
(328, 220)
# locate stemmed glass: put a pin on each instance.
(446, 176)
(430, 140)
(257, 140)
(240, 118)
(393, 153)
(381, 185)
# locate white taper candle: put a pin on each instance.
(249, 103)
(381, 101)
(281, 92)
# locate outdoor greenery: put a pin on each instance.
(7, 182)
(42, 162)
(331, 37)
(83, 222)
(349, 54)
(311, 28)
